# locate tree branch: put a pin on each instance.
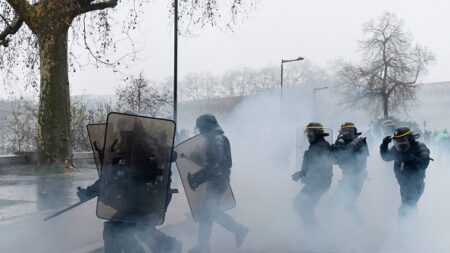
(10, 29)
(88, 6)
(22, 7)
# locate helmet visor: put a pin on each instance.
(348, 133)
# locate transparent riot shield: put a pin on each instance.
(193, 157)
(134, 178)
(303, 143)
(96, 133)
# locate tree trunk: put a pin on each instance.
(385, 106)
(54, 100)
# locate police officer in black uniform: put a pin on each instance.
(216, 176)
(350, 153)
(316, 173)
(118, 236)
(411, 159)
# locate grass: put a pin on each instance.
(40, 170)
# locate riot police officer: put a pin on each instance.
(136, 187)
(316, 173)
(215, 176)
(411, 159)
(350, 153)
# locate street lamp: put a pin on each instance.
(286, 61)
(281, 81)
(314, 100)
(175, 65)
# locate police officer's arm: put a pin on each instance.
(421, 159)
(212, 159)
(302, 172)
(94, 188)
(89, 192)
(327, 155)
(214, 152)
(386, 153)
(339, 151)
(335, 150)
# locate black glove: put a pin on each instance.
(387, 140)
(83, 194)
(297, 175)
(195, 180)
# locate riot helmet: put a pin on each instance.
(315, 131)
(206, 123)
(349, 131)
(403, 137)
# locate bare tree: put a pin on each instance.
(22, 127)
(386, 78)
(197, 86)
(140, 97)
(35, 34)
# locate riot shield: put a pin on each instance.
(303, 143)
(96, 133)
(134, 178)
(192, 157)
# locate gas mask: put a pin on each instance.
(348, 133)
(402, 144)
(311, 135)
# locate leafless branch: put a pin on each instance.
(10, 29)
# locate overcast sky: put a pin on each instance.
(321, 31)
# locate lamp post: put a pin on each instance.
(281, 81)
(314, 100)
(175, 66)
(283, 62)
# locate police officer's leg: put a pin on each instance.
(224, 219)
(410, 193)
(205, 227)
(339, 194)
(120, 237)
(305, 204)
(157, 241)
(230, 224)
(110, 235)
(354, 190)
(204, 234)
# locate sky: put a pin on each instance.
(320, 31)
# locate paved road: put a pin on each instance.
(26, 200)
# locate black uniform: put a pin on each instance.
(316, 173)
(216, 176)
(409, 168)
(351, 157)
(120, 237)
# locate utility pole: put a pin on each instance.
(281, 81)
(175, 67)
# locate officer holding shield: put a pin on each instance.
(134, 186)
(213, 178)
